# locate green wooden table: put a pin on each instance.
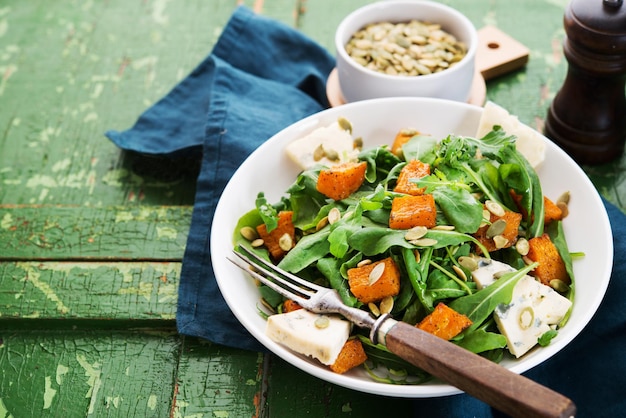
(91, 239)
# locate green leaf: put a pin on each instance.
(480, 305)
(460, 208)
(309, 249)
(268, 213)
(480, 340)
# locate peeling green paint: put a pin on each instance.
(166, 232)
(48, 393)
(39, 180)
(7, 221)
(112, 400)
(94, 382)
(61, 371)
(4, 412)
(220, 414)
(152, 402)
(32, 276)
(144, 289)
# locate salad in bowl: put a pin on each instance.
(451, 227)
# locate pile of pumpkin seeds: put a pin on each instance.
(406, 48)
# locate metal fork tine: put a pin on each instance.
(275, 269)
(245, 266)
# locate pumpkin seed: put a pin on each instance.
(522, 246)
(332, 155)
(358, 143)
(564, 198)
(469, 263)
(500, 241)
(364, 262)
(322, 223)
(459, 272)
(494, 207)
(249, 233)
(285, 242)
(496, 228)
(319, 153)
(322, 322)
(444, 227)
(559, 285)
(373, 309)
(526, 317)
(423, 242)
(376, 273)
(564, 208)
(396, 48)
(257, 243)
(345, 124)
(416, 232)
(386, 305)
(334, 215)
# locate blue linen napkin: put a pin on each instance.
(260, 77)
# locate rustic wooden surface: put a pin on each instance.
(91, 239)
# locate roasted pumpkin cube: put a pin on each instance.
(351, 355)
(444, 322)
(414, 169)
(290, 306)
(282, 238)
(402, 137)
(340, 181)
(551, 265)
(506, 238)
(551, 211)
(410, 211)
(375, 281)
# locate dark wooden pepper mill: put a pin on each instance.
(587, 117)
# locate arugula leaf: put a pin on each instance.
(268, 213)
(460, 208)
(480, 305)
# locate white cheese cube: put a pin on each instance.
(533, 310)
(487, 270)
(529, 142)
(332, 138)
(305, 333)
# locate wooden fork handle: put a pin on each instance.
(499, 387)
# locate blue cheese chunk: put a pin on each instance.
(534, 309)
(319, 336)
(324, 142)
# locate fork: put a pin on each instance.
(499, 387)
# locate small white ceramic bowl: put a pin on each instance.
(359, 83)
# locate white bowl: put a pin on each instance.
(359, 83)
(269, 170)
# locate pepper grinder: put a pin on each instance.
(587, 117)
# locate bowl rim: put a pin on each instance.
(306, 124)
(468, 59)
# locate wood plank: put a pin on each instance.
(94, 294)
(35, 232)
(86, 373)
(216, 381)
(294, 393)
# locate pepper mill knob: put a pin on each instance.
(587, 117)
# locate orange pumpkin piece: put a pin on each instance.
(290, 306)
(410, 211)
(340, 181)
(444, 322)
(351, 355)
(510, 232)
(551, 265)
(272, 239)
(370, 283)
(414, 169)
(402, 137)
(551, 211)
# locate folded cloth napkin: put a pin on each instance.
(260, 77)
